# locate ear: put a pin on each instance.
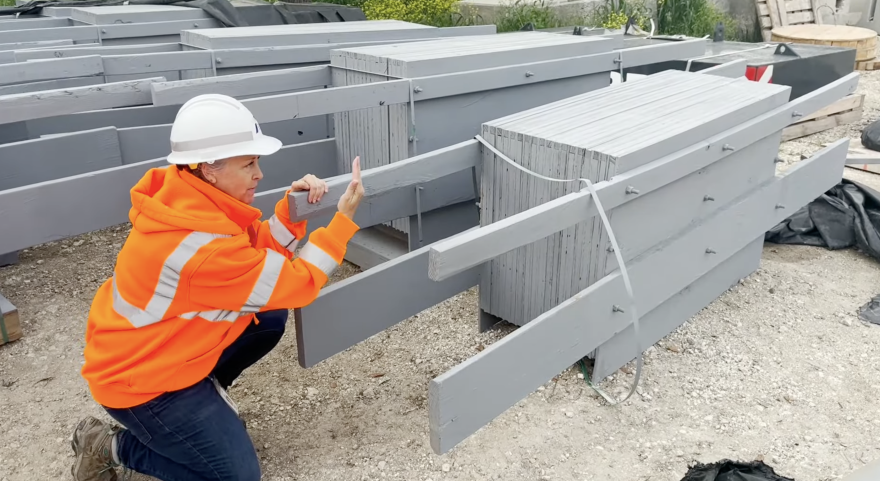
(207, 174)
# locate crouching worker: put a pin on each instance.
(200, 292)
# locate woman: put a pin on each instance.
(200, 291)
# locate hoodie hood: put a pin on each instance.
(168, 198)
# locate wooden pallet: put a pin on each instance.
(10, 327)
(778, 13)
(842, 112)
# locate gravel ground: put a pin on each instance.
(779, 368)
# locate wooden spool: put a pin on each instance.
(861, 39)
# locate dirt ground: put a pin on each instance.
(778, 368)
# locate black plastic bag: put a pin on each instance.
(727, 470)
(870, 312)
(871, 136)
(847, 215)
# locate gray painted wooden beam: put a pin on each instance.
(125, 14)
(336, 320)
(732, 69)
(34, 161)
(405, 174)
(80, 51)
(156, 62)
(475, 392)
(648, 54)
(28, 45)
(500, 237)
(676, 310)
(267, 82)
(32, 23)
(76, 34)
(293, 162)
(50, 85)
(7, 57)
(37, 70)
(155, 29)
(78, 99)
(327, 101)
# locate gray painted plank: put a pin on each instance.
(405, 174)
(80, 51)
(7, 57)
(52, 103)
(8, 259)
(29, 24)
(156, 29)
(124, 14)
(675, 311)
(34, 161)
(156, 62)
(37, 70)
(293, 162)
(66, 207)
(472, 394)
(148, 142)
(336, 320)
(123, 117)
(76, 34)
(27, 45)
(505, 235)
(327, 101)
(50, 85)
(648, 54)
(177, 93)
(732, 69)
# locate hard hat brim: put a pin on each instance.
(261, 145)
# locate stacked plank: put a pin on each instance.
(773, 14)
(594, 136)
(845, 111)
(384, 135)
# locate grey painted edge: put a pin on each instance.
(51, 103)
(732, 69)
(38, 70)
(648, 54)
(28, 45)
(272, 81)
(475, 392)
(327, 101)
(156, 62)
(83, 50)
(50, 85)
(395, 290)
(398, 175)
(451, 256)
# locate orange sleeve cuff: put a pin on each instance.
(342, 228)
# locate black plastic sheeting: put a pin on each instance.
(848, 215)
(871, 135)
(870, 312)
(222, 10)
(727, 470)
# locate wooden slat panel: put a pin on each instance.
(22, 72)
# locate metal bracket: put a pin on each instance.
(419, 190)
(785, 49)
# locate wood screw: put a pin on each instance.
(381, 102)
(609, 249)
(710, 251)
(796, 114)
(708, 198)
(417, 89)
(777, 160)
(780, 206)
(196, 25)
(103, 31)
(529, 74)
(219, 60)
(616, 308)
(727, 147)
(632, 190)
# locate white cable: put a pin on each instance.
(617, 255)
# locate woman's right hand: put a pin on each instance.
(350, 200)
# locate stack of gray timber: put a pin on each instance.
(384, 135)
(597, 136)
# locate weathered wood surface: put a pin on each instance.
(50, 85)
(336, 320)
(470, 395)
(506, 235)
(75, 34)
(117, 14)
(31, 23)
(146, 63)
(240, 85)
(34, 44)
(34, 161)
(37, 70)
(52, 103)
(10, 323)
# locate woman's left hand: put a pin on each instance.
(316, 187)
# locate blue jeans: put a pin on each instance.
(192, 434)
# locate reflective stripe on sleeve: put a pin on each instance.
(282, 234)
(265, 284)
(318, 258)
(217, 315)
(166, 288)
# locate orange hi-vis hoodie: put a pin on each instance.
(196, 267)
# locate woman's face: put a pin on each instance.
(238, 177)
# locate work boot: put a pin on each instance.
(92, 444)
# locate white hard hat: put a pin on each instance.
(212, 127)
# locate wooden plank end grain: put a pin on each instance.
(10, 323)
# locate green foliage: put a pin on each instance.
(694, 18)
(514, 16)
(613, 14)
